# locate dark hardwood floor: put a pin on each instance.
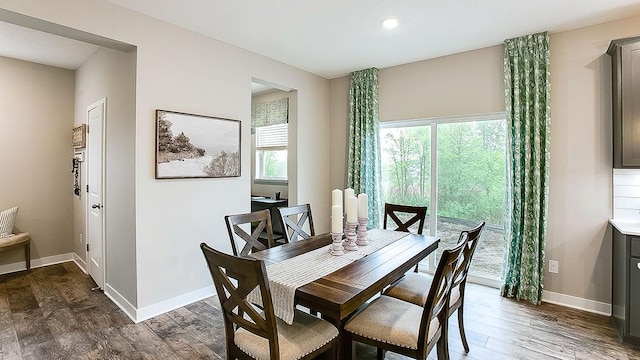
(51, 313)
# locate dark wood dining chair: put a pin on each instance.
(391, 324)
(397, 212)
(252, 242)
(253, 333)
(293, 219)
(414, 287)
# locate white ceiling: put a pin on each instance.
(21, 43)
(331, 38)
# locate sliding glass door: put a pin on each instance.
(457, 168)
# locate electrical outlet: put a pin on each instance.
(553, 266)
(81, 239)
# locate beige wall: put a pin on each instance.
(339, 131)
(460, 84)
(581, 139)
(35, 155)
(111, 74)
(581, 159)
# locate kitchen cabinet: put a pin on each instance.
(625, 80)
(625, 299)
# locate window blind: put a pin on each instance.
(274, 136)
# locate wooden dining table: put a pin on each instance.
(339, 294)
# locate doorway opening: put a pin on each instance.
(273, 148)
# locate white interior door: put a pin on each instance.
(95, 203)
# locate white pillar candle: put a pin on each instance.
(336, 197)
(352, 209)
(363, 206)
(348, 192)
(336, 219)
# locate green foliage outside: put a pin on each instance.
(274, 164)
(471, 166)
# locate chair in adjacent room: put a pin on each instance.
(253, 333)
(293, 219)
(257, 222)
(414, 287)
(405, 328)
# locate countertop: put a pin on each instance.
(627, 227)
(269, 201)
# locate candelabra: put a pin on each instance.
(362, 232)
(350, 232)
(336, 246)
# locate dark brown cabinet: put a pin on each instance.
(625, 79)
(625, 299)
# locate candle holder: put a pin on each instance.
(362, 232)
(336, 245)
(350, 242)
(344, 223)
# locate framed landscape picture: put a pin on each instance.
(196, 146)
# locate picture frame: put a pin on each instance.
(196, 146)
(79, 137)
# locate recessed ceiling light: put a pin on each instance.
(389, 23)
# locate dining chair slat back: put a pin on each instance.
(386, 321)
(247, 327)
(395, 212)
(257, 222)
(414, 287)
(460, 278)
(293, 220)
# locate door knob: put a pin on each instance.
(95, 206)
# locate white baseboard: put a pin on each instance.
(36, 263)
(121, 302)
(575, 302)
(81, 263)
(150, 311)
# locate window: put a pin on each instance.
(457, 168)
(271, 152)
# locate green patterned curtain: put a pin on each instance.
(527, 98)
(363, 167)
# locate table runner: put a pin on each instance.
(286, 276)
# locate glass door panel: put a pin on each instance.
(471, 188)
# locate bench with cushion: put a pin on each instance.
(17, 240)
(11, 237)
